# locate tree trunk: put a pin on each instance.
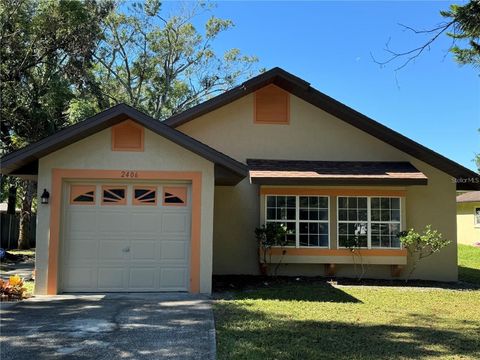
(12, 199)
(26, 214)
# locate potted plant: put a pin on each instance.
(269, 235)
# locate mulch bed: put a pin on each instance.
(228, 283)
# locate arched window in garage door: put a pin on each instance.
(82, 194)
(175, 196)
(114, 195)
(145, 195)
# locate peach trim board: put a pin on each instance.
(335, 192)
(128, 136)
(60, 175)
(337, 252)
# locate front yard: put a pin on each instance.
(321, 321)
(300, 320)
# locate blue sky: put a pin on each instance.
(433, 101)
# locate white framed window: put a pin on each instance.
(476, 216)
(370, 221)
(306, 218)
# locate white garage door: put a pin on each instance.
(126, 237)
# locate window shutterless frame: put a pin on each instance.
(476, 216)
(297, 220)
(369, 220)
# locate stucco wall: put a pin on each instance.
(95, 152)
(311, 135)
(467, 232)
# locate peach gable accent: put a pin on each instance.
(334, 192)
(128, 136)
(60, 175)
(271, 106)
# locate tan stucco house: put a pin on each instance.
(141, 205)
(468, 218)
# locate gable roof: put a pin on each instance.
(304, 91)
(472, 196)
(24, 162)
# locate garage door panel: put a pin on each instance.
(143, 249)
(80, 278)
(111, 278)
(113, 221)
(82, 250)
(144, 222)
(81, 220)
(113, 249)
(174, 223)
(128, 247)
(174, 251)
(173, 278)
(143, 278)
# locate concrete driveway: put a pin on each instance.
(111, 326)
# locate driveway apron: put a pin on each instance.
(110, 326)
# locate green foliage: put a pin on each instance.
(163, 65)
(269, 235)
(46, 50)
(465, 20)
(422, 245)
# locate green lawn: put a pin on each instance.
(469, 263)
(29, 252)
(320, 321)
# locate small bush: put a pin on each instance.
(13, 289)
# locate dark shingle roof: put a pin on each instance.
(352, 172)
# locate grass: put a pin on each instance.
(28, 252)
(469, 263)
(29, 285)
(320, 321)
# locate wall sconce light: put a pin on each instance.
(45, 196)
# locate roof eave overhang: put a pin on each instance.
(336, 181)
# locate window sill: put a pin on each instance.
(338, 256)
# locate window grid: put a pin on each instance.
(370, 222)
(476, 217)
(297, 220)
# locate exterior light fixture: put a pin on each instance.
(45, 196)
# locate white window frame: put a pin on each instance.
(476, 223)
(297, 220)
(369, 221)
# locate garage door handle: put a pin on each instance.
(127, 249)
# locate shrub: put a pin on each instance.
(12, 289)
(420, 246)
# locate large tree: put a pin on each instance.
(46, 49)
(461, 23)
(160, 64)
